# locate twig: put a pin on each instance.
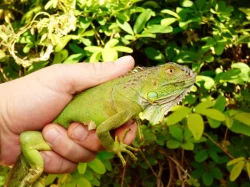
(123, 173)
(171, 172)
(4, 75)
(228, 154)
(147, 162)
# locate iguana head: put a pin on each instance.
(165, 87)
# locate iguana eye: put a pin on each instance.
(170, 70)
(152, 96)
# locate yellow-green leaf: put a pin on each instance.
(195, 125)
(125, 26)
(111, 43)
(93, 49)
(178, 115)
(243, 117)
(203, 105)
(229, 121)
(95, 57)
(170, 12)
(236, 170)
(123, 49)
(213, 113)
(234, 161)
(97, 166)
(248, 169)
(168, 21)
(109, 54)
(62, 42)
(83, 182)
(82, 167)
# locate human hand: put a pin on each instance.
(32, 102)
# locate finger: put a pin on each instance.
(77, 77)
(77, 132)
(57, 138)
(54, 163)
(84, 137)
(130, 136)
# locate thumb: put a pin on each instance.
(74, 78)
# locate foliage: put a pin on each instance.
(204, 141)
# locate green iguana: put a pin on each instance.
(146, 94)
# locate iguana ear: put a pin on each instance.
(154, 114)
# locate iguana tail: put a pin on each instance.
(18, 173)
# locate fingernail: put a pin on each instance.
(51, 135)
(125, 60)
(79, 133)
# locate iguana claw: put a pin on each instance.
(119, 147)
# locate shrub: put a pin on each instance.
(202, 142)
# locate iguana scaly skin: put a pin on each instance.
(147, 94)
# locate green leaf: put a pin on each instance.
(173, 144)
(205, 81)
(200, 4)
(109, 54)
(220, 103)
(83, 182)
(195, 125)
(201, 156)
(177, 132)
(213, 153)
(37, 66)
(50, 179)
(82, 167)
(97, 166)
(73, 59)
(234, 174)
(216, 172)
(244, 39)
(142, 20)
(213, 123)
(243, 117)
(170, 12)
(177, 115)
(203, 105)
(228, 121)
(123, 49)
(240, 128)
(213, 113)
(153, 54)
(219, 48)
(207, 178)
(63, 41)
(158, 29)
(188, 145)
(125, 26)
(104, 155)
(234, 161)
(208, 58)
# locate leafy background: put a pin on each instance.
(204, 141)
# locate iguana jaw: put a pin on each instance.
(154, 112)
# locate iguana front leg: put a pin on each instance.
(103, 133)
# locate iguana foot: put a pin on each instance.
(120, 147)
(31, 177)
